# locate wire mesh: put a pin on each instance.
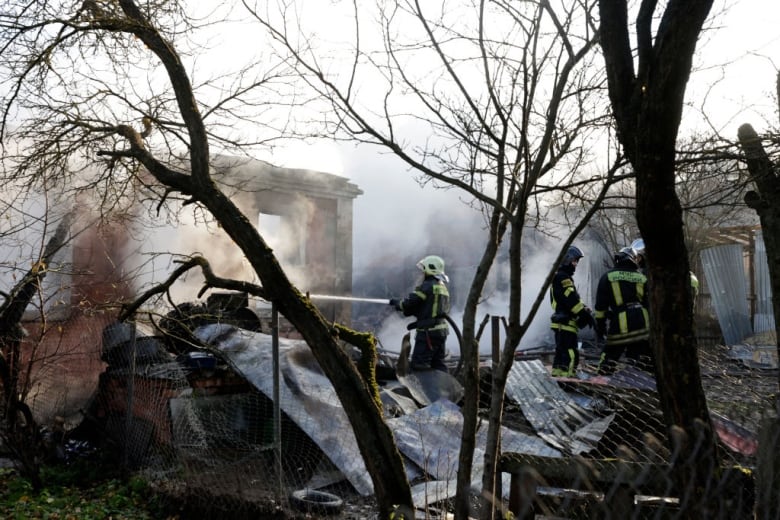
(203, 432)
(628, 474)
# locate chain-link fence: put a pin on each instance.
(205, 429)
(627, 473)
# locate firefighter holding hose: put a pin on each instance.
(428, 303)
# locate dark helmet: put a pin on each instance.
(626, 257)
(573, 253)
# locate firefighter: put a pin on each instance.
(428, 303)
(622, 317)
(569, 315)
(639, 246)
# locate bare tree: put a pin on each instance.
(19, 430)
(710, 185)
(511, 104)
(763, 171)
(104, 79)
(647, 86)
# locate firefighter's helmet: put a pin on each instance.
(572, 254)
(626, 256)
(639, 246)
(432, 265)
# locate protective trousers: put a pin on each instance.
(429, 350)
(567, 357)
(638, 353)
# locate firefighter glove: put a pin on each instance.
(585, 319)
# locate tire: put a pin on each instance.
(313, 501)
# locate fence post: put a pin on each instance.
(129, 403)
(276, 399)
(768, 470)
(496, 354)
(522, 493)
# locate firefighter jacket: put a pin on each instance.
(569, 312)
(428, 303)
(621, 306)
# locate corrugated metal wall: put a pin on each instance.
(728, 277)
(724, 267)
(764, 318)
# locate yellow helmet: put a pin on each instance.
(432, 265)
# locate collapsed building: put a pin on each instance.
(228, 400)
(306, 216)
(200, 399)
(547, 418)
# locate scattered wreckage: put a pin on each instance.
(214, 373)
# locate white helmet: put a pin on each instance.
(638, 246)
(433, 265)
(626, 255)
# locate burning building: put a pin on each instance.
(305, 216)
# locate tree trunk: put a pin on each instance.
(678, 375)
(647, 103)
(764, 202)
(22, 437)
(358, 395)
(470, 353)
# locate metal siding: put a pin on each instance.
(764, 318)
(556, 417)
(725, 273)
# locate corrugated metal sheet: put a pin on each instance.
(555, 416)
(429, 437)
(724, 268)
(764, 318)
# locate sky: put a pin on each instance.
(737, 61)
(736, 64)
(738, 58)
(733, 84)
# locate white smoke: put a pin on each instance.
(396, 216)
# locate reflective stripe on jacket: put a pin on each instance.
(565, 300)
(429, 301)
(621, 306)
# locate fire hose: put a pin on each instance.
(409, 327)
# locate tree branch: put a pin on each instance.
(211, 281)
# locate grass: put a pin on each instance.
(83, 490)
